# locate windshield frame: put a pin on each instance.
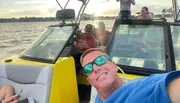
(169, 54)
(53, 61)
(173, 24)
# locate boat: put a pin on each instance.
(49, 70)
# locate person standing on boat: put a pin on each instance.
(101, 73)
(125, 8)
(7, 95)
(87, 39)
(102, 34)
(145, 14)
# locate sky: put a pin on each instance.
(48, 8)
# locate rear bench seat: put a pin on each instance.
(34, 80)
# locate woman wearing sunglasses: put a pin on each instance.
(101, 73)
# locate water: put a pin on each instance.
(15, 37)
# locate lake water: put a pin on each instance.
(15, 37)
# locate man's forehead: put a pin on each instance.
(91, 56)
(94, 54)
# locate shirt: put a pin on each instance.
(125, 4)
(89, 39)
(151, 89)
(103, 36)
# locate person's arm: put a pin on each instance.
(174, 90)
(13, 99)
(150, 17)
(133, 2)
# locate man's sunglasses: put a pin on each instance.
(101, 60)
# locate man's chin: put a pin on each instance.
(103, 84)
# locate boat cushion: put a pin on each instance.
(35, 81)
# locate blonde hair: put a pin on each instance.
(89, 51)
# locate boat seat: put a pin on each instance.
(35, 81)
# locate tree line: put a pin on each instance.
(28, 19)
(43, 19)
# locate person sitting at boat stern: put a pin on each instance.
(101, 73)
(87, 39)
(7, 95)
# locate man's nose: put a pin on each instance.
(96, 68)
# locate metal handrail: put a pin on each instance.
(81, 11)
(66, 4)
(59, 4)
(84, 9)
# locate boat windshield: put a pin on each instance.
(175, 31)
(49, 44)
(139, 46)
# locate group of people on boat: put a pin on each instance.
(92, 37)
(102, 75)
(125, 10)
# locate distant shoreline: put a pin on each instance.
(50, 19)
(46, 19)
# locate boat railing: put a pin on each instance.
(81, 10)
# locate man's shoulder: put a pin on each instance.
(98, 100)
(146, 89)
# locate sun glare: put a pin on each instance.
(97, 13)
(102, 8)
(95, 7)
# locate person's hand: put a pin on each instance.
(117, 0)
(13, 99)
(85, 45)
(78, 45)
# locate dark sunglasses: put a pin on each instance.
(88, 30)
(101, 60)
(142, 10)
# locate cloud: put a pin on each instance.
(30, 13)
(5, 1)
(152, 8)
(110, 12)
(18, 8)
(30, 2)
(52, 10)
